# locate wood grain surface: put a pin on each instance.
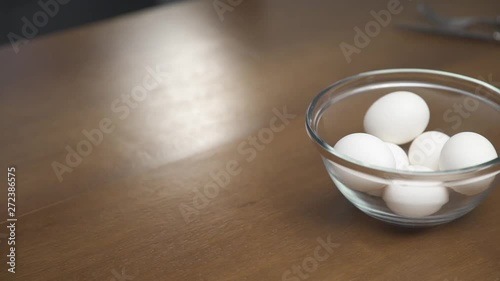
(203, 89)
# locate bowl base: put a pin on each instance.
(376, 208)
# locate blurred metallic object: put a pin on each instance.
(457, 22)
(455, 26)
(492, 37)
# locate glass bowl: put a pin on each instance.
(457, 104)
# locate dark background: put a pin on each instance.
(74, 13)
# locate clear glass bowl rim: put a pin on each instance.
(393, 173)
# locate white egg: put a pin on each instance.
(426, 149)
(399, 155)
(397, 117)
(473, 186)
(464, 150)
(413, 199)
(418, 168)
(368, 150)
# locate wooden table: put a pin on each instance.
(132, 207)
